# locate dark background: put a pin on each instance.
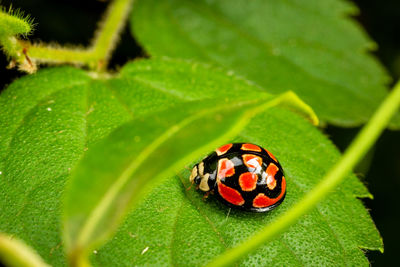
(74, 21)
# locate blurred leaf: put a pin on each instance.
(309, 47)
(15, 253)
(52, 117)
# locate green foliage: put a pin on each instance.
(54, 116)
(310, 47)
(114, 140)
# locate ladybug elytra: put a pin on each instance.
(242, 175)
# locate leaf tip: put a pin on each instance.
(296, 104)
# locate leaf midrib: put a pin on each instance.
(161, 89)
(119, 99)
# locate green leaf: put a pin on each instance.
(54, 116)
(309, 47)
(15, 253)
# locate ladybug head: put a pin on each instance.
(199, 177)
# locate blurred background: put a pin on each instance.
(74, 21)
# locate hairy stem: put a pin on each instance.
(95, 56)
(110, 29)
(354, 153)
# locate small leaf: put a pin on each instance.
(313, 49)
(15, 253)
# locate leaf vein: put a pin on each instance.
(119, 99)
(159, 88)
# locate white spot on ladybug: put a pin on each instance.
(271, 182)
(144, 250)
(201, 168)
(194, 174)
(204, 183)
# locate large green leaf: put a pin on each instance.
(310, 47)
(51, 118)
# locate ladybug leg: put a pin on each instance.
(206, 195)
(182, 180)
(187, 189)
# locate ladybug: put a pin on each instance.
(243, 176)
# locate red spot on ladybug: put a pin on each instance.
(272, 156)
(272, 169)
(252, 161)
(262, 201)
(226, 168)
(251, 147)
(231, 195)
(248, 181)
(223, 149)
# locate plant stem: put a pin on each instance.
(14, 252)
(110, 29)
(95, 56)
(58, 55)
(363, 141)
